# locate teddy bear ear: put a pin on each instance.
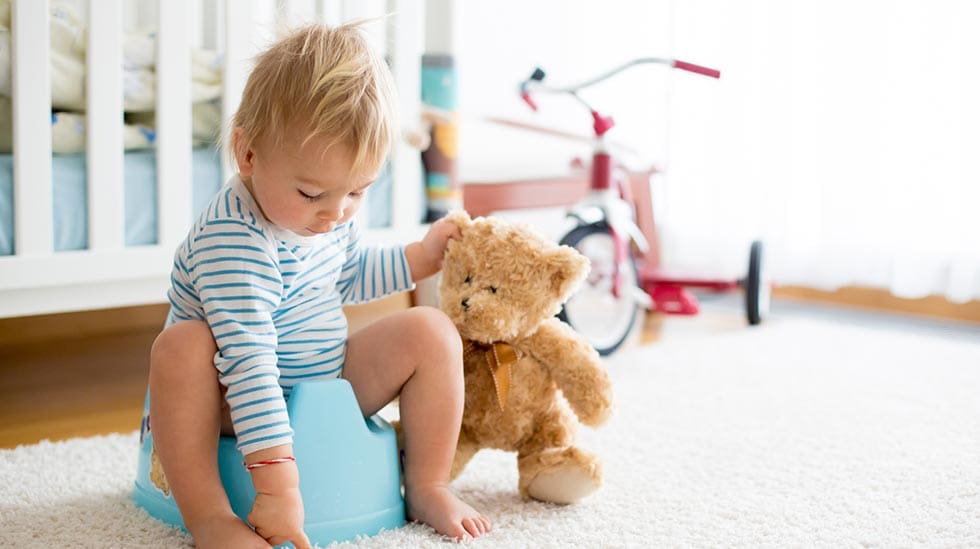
(568, 269)
(459, 218)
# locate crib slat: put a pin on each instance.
(330, 11)
(33, 209)
(294, 13)
(406, 28)
(106, 205)
(212, 15)
(368, 9)
(173, 123)
(239, 48)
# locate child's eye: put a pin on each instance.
(308, 198)
(357, 194)
(468, 279)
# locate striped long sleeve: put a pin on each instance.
(273, 301)
(239, 286)
(373, 272)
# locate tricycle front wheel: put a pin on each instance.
(604, 319)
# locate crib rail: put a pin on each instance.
(36, 279)
(105, 143)
(33, 217)
(173, 124)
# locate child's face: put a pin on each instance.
(306, 190)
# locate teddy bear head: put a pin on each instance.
(502, 279)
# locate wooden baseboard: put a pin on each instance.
(881, 300)
(936, 307)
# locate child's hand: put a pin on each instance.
(425, 257)
(277, 512)
(435, 241)
(278, 518)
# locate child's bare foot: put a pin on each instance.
(442, 510)
(226, 531)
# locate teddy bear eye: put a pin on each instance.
(493, 289)
(468, 279)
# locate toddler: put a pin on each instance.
(256, 296)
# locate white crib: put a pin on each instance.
(36, 279)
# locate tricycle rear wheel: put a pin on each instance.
(757, 287)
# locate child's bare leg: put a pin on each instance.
(418, 355)
(185, 418)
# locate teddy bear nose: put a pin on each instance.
(465, 303)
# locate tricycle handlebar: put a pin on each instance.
(691, 67)
(535, 81)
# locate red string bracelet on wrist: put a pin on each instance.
(263, 463)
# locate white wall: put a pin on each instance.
(845, 132)
(501, 41)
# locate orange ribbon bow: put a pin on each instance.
(499, 357)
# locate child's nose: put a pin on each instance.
(331, 212)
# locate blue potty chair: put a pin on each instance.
(349, 468)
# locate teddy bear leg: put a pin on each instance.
(466, 448)
(559, 475)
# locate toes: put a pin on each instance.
(458, 532)
(476, 526)
(472, 527)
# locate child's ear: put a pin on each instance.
(244, 155)
(568, 268)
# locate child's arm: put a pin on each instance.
(425, 256)
(277, 513)
(372, 271)
(238, 284)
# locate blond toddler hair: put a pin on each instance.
(321, 81)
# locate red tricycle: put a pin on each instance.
(614, 228)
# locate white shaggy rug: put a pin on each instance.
(804, 432)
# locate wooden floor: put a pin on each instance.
(73, 386)
(85, 374)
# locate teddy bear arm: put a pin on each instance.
(576, 368)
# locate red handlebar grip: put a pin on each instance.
(527, 99)
(684, 65)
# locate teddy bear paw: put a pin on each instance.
(564, 483)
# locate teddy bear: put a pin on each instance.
(527, 374)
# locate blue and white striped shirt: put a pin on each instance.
(273, 300)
